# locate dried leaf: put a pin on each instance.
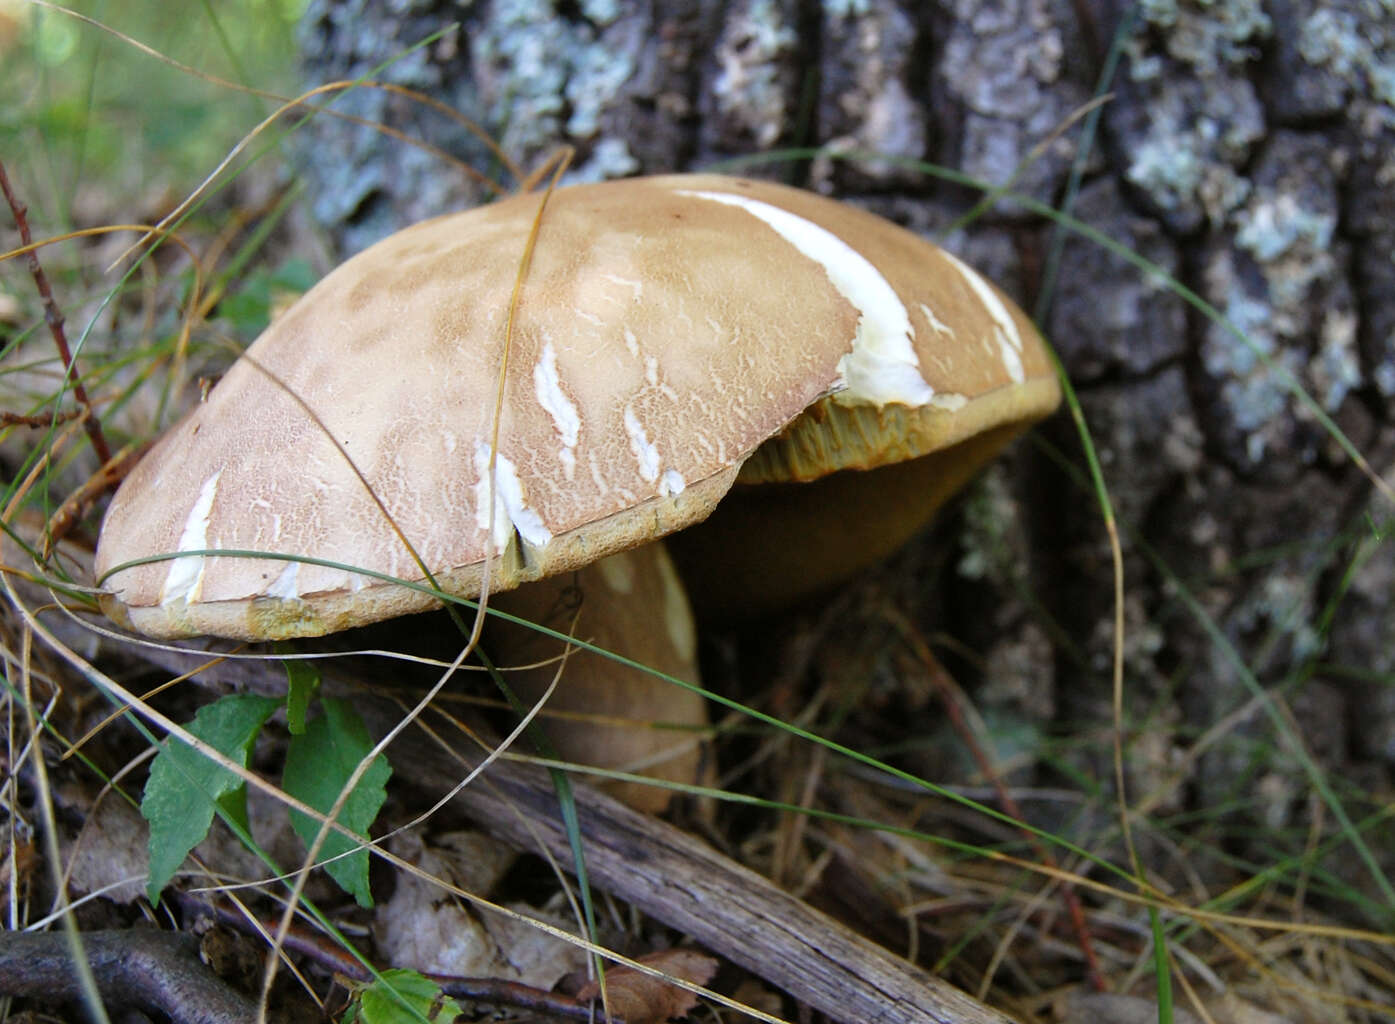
(110, 854)
(420, 926)
(644, 999)
(423, 927)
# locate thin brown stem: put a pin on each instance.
(76, 506)
(19, 419)
(53, 316)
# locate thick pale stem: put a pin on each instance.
(603, 713)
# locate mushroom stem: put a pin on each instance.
(603, 713)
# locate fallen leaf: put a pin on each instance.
(644, 999)
(109, 855)
(423, 926)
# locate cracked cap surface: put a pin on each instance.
(672, 333)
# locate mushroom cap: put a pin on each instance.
(671, 333)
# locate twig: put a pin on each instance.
(16, 419)
(76, 506)
(53, 316)
(331, 957)
(142, 967)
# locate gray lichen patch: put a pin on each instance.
(1340, 41)
(866, 93)
(994, 544)
(1191, 114)
(545, 78)
(1282, 284)
(531, 75)
(1210, 37)
(752, 86)
(1186, 140)
(1005, 64)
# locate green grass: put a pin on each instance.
(81, 109)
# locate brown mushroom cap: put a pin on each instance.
(668, 328)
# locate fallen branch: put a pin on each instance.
(680, 880)
(142, 968)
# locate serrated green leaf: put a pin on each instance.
(404, 997)
(184, 786)
(318, 765)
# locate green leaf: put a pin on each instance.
(184, 786)
(400, 997)
(318, 764)
(302, 683)
(248, 310)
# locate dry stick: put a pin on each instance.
(141, 967)
(16, 419)
(680, 880)
(950, 696)
(54, 317)
(76, 506)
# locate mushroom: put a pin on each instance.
(674, 335)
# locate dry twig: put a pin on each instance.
(144, 968)
(54, 318)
